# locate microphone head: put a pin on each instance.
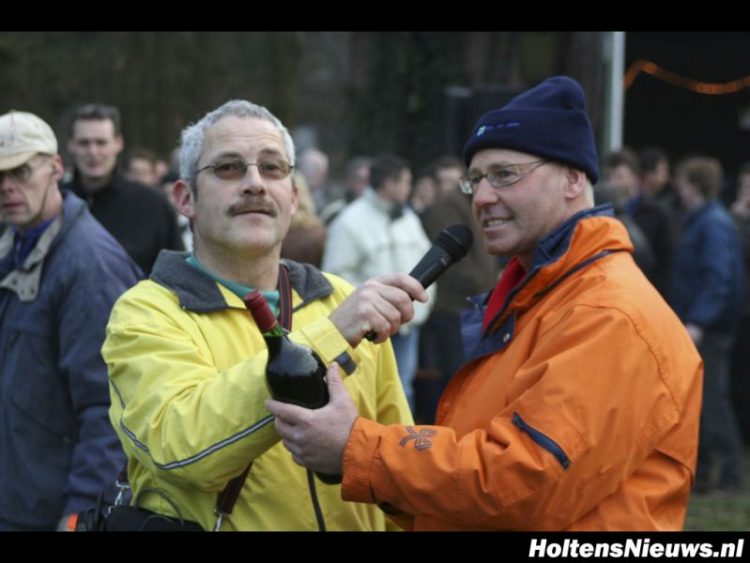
(456, 240)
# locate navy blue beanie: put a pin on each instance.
(549, 120)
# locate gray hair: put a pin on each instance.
(193, 135)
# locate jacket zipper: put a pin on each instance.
(543, 440)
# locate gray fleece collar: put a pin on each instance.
(199, 293)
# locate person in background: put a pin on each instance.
(306, 238)
(357, 179)
(708, 293)
(60, 274)
(313, 165)
(740, 381)
(623, 170)
(140, 218)
(377, 234)
(448, 171)
(655, 175)
(140, 167)
(424, 194)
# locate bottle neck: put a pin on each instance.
(267, 323)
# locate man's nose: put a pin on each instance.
(484, 193)
(252, 182)
(6, 183)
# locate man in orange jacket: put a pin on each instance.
(578, 403)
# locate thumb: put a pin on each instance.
(335, 384)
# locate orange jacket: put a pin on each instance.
(578, 410)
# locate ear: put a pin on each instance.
(575, 183)
(119, 143)
(58, 168)
(183, 197)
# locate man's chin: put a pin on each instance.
(258, 245)
(94, 174)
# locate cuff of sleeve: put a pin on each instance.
(358, 456)
(323, 337)
(67, 523)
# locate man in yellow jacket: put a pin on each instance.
(578, 403)
(187, 362)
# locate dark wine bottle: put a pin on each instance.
(294, 373)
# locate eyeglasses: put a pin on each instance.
(20, 174)
(236, 169)
(500, 176)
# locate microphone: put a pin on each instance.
(450, 246)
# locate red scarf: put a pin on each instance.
(512, 275)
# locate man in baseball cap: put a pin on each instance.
(60, 274)
(22, 136)
(577, 405)
(26, 142)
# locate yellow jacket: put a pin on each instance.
(187, 378)
(578, 410)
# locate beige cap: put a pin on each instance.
(22, 136)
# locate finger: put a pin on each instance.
(406, 283)
(378, 289)
(291, 447)
(392, 302)
(376, 321)
(283, 428)
(389, 312)
(292, 414)
(335, 384)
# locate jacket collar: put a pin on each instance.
(583, 239)
(390, 208)
(199, 293)
(24, 281)
(696, 214)
(116, 183)
(580, 240)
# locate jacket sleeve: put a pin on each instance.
(597, 407)
(86, 304)
(388, 405)
(393, 408)
(715, 287)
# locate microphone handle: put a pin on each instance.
(428, 276)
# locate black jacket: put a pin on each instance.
(659, 225)
(140, 218)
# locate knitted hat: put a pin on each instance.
(22, 136)
(549, 121)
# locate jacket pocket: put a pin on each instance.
(543, 440)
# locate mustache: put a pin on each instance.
(252, 206)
